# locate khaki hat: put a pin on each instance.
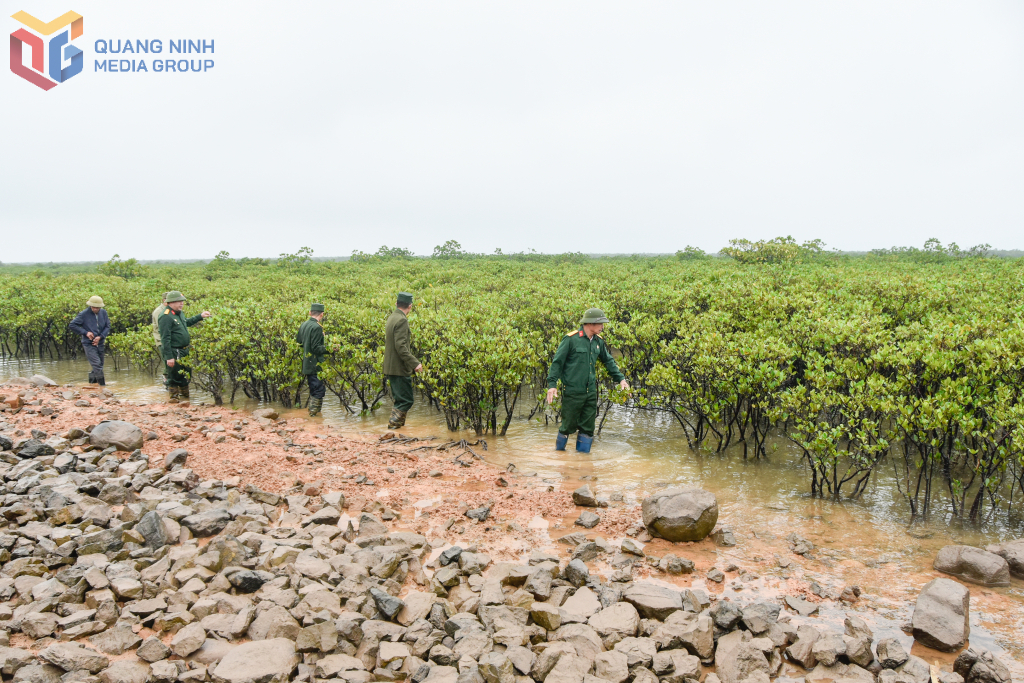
(96, 301)
(175, 295)
(594, 315)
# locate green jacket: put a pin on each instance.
(575, 361)
(398, 358)
(174, 336)
(311, 336)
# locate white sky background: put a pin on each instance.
(559, 126)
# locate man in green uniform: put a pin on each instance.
(174, 343)
(311, 337)
(399, 363)
(574, 365)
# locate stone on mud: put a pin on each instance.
(124, 436)
(941, 615)
(265, 661)
(1013, 553)
(974, 565)
(653, 602)
(680, 514)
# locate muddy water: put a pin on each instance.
(865, 541)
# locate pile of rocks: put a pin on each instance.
(117, 571)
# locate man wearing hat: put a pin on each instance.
(399, 363)
(93, 324)
(311, 337)
(174, 342)
(574, 365)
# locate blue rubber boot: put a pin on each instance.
(583, 442)
(560, 441)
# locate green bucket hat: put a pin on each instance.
(174, 296)
(96, 301)
(405, 298)
(594, 315)
(316, 308)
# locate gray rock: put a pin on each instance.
(72, 657)
(179, 456)
(676, 666)
(612, 666)
(42, 381)
(615, 622)
(522, 658)
(638, 651)
(890, 653)
(588, 520)
(974, 565)
(153, 650)
(1013, 553)
(858, 650)
(495, 667)
(802, 651)
(941, 615)
(388, 605)
(207, 523)
(688, 630)
(371, 526)
(266, 661)
(480, 514)
(124, 436)
(576, 573)
(249, 581)
(116, 641)
(188, 639)
(736, 659)
(34, 448)
(13, 658)
(125, 671)
(39, 673)
(759, 616)
(449, 555)
(546, 616)
(723, 537)
(804, 608)
(981, 667)
(727, 615)
(680, 514)
(584, 497)
(828, 649)
(152, 528)
(653, 602)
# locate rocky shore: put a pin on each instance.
(191, 543)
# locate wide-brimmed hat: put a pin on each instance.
(594, 315)
(95, 301)
(175, 296)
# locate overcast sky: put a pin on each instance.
(557, 126)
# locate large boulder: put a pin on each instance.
(124, 436)
(1013, 553)
(681, 514)
(974, 565)
(981, 667)
(42, 381)
(942, 615)
(264, 661)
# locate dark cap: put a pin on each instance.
(405, 298)
(316, 308)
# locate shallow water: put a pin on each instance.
(639, 452)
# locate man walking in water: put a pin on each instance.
(94, 325)
(311, 337)
(574, 365)
(399, 363)
(174, 343)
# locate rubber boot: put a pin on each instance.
(560, 441)
(174, 392)
(92, 378)
(183, 392)
(397, 418)
(315, 404)
(583, 442)
(101, 379)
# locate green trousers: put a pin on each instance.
(578, 413)
(178, 375)
(401, 391)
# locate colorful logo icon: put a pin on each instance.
(52, 55)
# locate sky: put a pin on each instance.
(601, 127)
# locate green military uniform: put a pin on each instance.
(399, 362)
(174, 344)
(311, 337)
(574, 364)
